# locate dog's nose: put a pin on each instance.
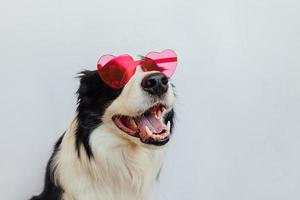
(155, 84)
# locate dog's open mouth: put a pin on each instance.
(149, 126)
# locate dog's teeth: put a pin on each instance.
(132, 123)
(163, 109)
(168, 126)
(158, 114)
(158, 137)
(148, 130)
(162, 136)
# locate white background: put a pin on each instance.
(238, 85)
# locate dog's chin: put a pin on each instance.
(148, 126)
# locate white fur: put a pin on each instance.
(122, 167)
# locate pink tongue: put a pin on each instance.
(149, 120)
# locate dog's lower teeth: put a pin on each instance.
(168, 126)
(148, 131)
(132, 123)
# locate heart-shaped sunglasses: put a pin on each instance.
(116, 71)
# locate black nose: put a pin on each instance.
(156, 84)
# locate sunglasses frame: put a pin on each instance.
(117, 71)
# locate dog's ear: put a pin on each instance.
(92, 88)
(89, 85)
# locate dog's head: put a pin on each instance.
(141, 111)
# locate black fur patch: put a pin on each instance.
(170, 117)
(94, 96)
(51, 191)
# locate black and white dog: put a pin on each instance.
(114, 147)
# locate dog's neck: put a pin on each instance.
(117, 169)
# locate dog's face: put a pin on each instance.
(141, 112)
(138, 112)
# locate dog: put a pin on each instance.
(114, 147)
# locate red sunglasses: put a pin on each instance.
(117, 71)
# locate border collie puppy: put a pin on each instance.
(115, 144)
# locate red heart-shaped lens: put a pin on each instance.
(165, 61)
(116, 71)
